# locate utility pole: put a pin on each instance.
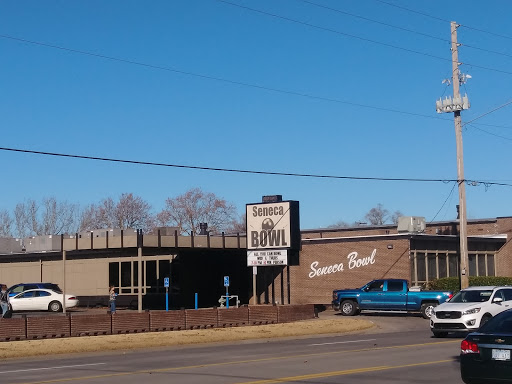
(456, 106)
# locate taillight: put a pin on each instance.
(334, 295)
(71, 298)
(468, 346)
(450, 295)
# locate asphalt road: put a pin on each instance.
(399, 349)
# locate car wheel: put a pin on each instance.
(427, 310)
(440, 334)
(485, 319)
(55, 306)
(348, 308)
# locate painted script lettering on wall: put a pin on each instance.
(354, 262)
(268, 225)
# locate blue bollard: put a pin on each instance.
(196, 300)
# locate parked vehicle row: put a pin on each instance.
(484, 313)
(39, 297)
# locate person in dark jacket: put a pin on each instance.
(4, 299)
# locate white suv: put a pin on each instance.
(469, 309)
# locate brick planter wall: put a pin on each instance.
(48, 327)
(286, 314)
(91, 325)
(262, 314)
(233, 317)
(13, 329)
(130, 322)
(167, 321)
(201, 318)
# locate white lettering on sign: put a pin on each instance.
(353, 262)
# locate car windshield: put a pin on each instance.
(471, 296)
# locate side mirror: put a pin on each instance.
(497, 300)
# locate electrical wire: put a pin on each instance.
(490, 133)
(446, 200)
(413, 11)
(376, 21)
(489, 112)
(444, 20)
(359, 37)
(334, 31)
(136, 162)
(404, 29)
(213, 78)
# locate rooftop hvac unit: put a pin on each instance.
(411, 224)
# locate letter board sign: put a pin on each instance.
(273, 226)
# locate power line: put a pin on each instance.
(442, 206)
(136, 162)
(402, 28)
(358, 37)
(489, 133)
(444, 20)
(233, 82)
(489, 112)
(376, 21)
(333, 31)
(413, 11)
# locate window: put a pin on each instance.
(507, 294)
(395, 286)
(443, 272)
(113, 274)
(376, 286)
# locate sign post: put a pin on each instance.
(166, 285)
(226, 284)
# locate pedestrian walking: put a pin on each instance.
(112, 299)
(4, 300)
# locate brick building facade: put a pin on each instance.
(349, 257)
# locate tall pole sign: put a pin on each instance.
(273, 234)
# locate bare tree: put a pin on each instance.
(58, 217)
(129, 212)
(133, 212)
(195, 206)
(237, 225)
(5, 224)
(395, 216)
(339, 224)
(88, 218)
(377, 215)
(106, 216)
(25, 219)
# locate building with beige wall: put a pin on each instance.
(329, 259)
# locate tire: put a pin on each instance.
(348, 308)
(426, 310)
(485, 319)
(440, 334)
(55, 306)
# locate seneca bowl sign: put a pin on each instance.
(273, 225)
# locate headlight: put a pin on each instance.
(471, 311)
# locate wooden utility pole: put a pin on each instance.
(464, 270)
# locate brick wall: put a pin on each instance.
(329, 265)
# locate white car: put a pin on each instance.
(41, 300)
(470, 308)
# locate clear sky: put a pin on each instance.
(256, 85)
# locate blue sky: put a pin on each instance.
(188, 105)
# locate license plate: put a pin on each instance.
(501, 354)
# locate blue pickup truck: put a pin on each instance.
(387, 295)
